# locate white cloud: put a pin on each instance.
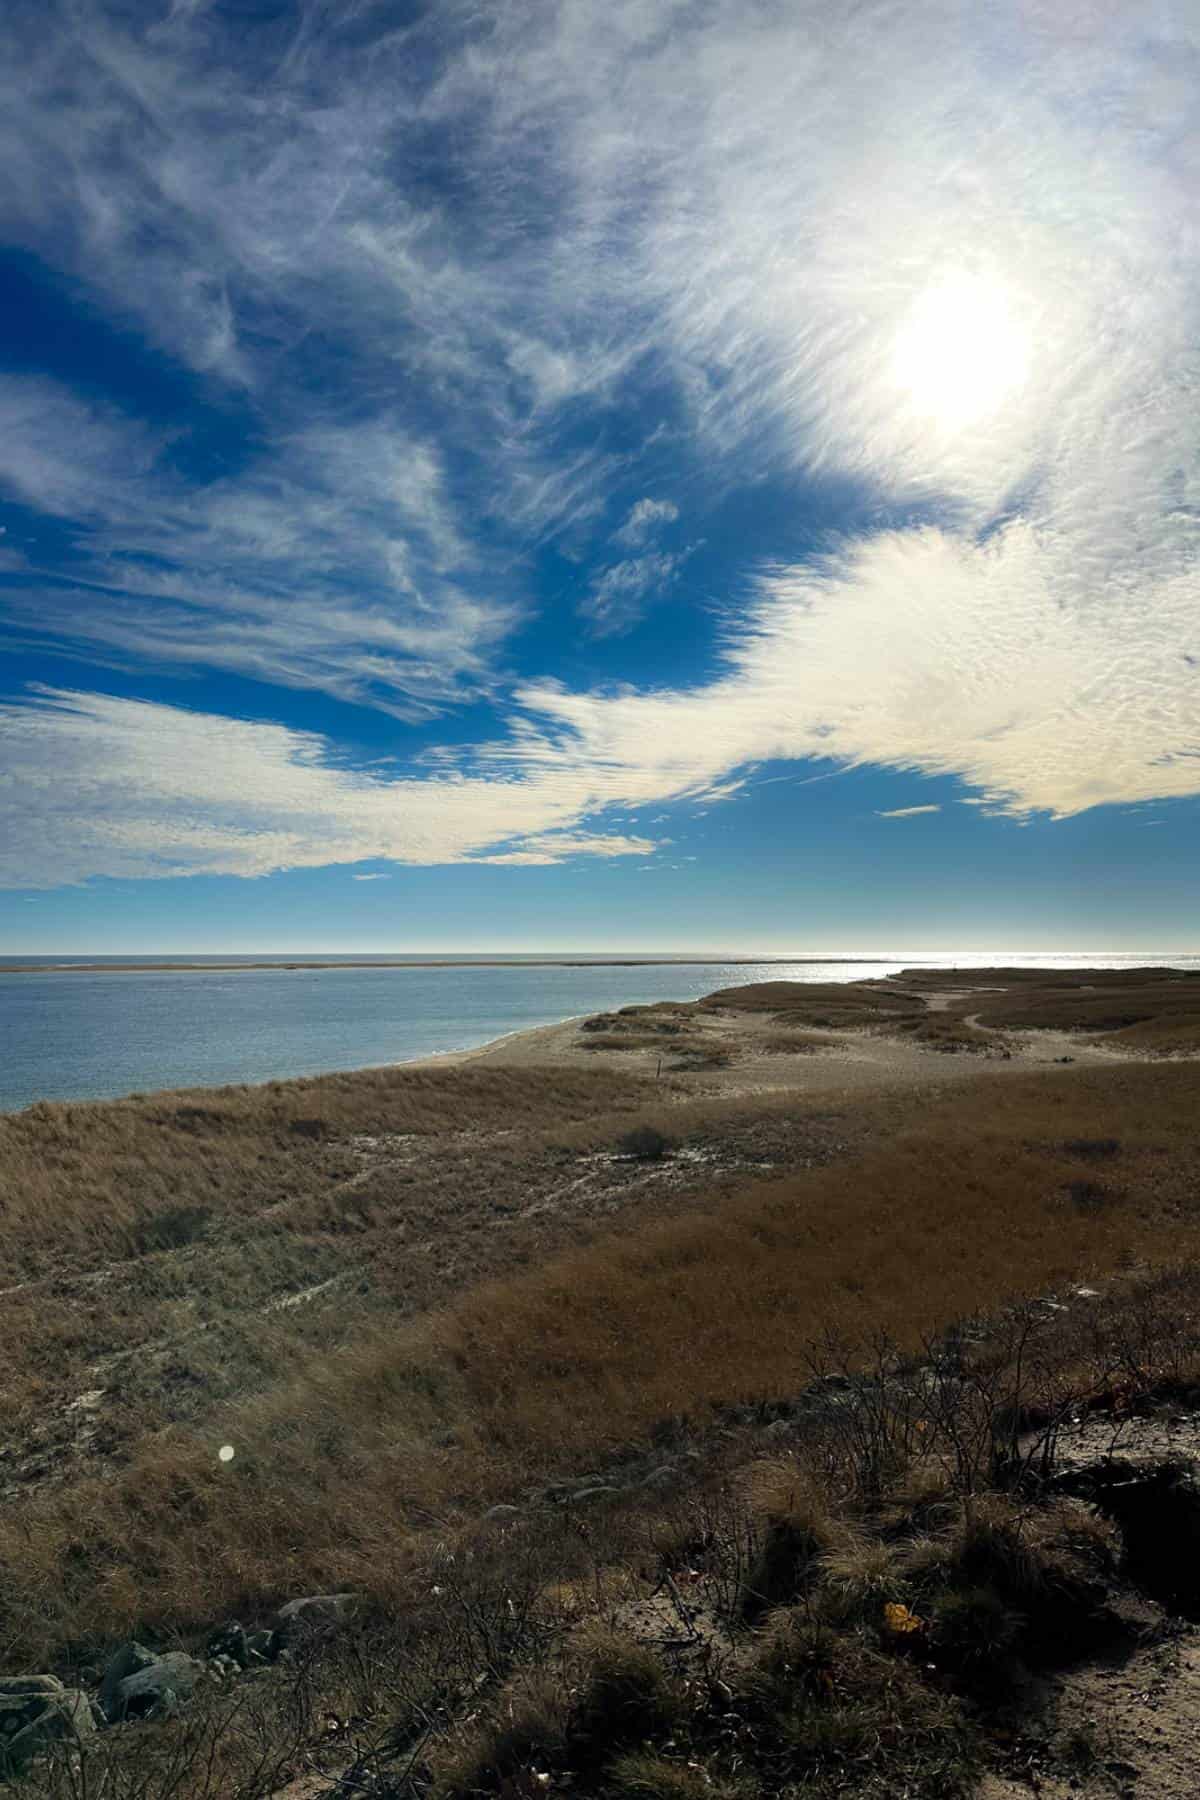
(765, 207)
(335, 563)
(922, 652)
(619, 594)
(644, 520)
(370, 878)
(95, 785)
(555, 847)
(915, 651)
(907, 812)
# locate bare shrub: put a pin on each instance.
(644, 1143)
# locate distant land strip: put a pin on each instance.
(499, 962)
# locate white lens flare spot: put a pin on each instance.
(225, 1453)
(961, 352)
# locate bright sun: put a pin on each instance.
(961, 351)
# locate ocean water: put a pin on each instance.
(76, 1034)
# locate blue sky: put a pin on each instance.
(598, 476)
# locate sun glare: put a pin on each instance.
(961, 352)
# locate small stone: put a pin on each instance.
(502, 1512)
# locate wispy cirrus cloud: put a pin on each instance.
(645, 518)
(894, 655)
(620, 593)
(973, 299)
(335, 563)
(907, 812)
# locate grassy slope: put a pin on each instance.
(374, 1429)
(344, 1459)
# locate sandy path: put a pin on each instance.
(1135, 1724)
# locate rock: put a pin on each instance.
(778, 1428)
(124, 1662)
(594, 1493)
(40, 1715)
(502, 1512)
(159, 1691)
(314, 1614)
(229, 1644)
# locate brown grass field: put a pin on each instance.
(405, 1296)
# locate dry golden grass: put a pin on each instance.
(631, 1040)
(795, 1043)
(834, 1005)
(946, 1032)
(192, 1305)
(360, 1447)
(1156, 1010)
(1139, 1010)
(971, 1207)
(481, 1340)
(80, 1184)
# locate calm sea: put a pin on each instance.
(72, 1034)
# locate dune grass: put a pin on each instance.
(474, 1341)
(1140, 1010)
(80, 1182)
(349, 1455)
(974, 1205)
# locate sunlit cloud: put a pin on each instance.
(950, 264)
(96, 785)
(907, 812)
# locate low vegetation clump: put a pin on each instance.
(625, 1041)
(949, 1034)
(642, 1021)
(829, 1005)
(645, 1144)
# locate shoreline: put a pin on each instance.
(449, 1059)
(853, 1059)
